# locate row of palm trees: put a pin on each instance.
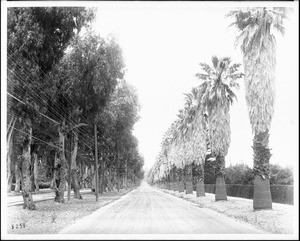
(202, 129)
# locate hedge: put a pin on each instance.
(280, 193)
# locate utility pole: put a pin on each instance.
(126, 175)
(96, 161)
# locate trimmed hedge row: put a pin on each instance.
(279, 193)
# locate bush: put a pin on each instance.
(280, 193)
(44, 185)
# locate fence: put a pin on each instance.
(280, 193)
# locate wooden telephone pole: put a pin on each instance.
(96, 162)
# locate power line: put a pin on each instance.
(32, 107)
(43, 114)
(48, 78)
(50, 144)
(46, 117)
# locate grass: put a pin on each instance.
(50, 217)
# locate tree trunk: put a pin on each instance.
(262, 194)
(75, 184)
(18, 174)
(9, 143)
(54, 172)
(36, 171)
(175, 177)
(104, 176)
(200, 189)
(9, 165)
(220, 193)
(181, 180)
(100, 175)
(189, 179)
(74, 170)
(59, 193)
(26, 161)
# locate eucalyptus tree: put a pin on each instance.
(81, 87)
(218, 95)
(116, 123)
(37, 39)
(257, 27)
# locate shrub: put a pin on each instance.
(44, 185)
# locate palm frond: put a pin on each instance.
(215, 61)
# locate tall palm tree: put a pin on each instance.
(183, 140)
(195, 119)
(256, 27)
(217, 97)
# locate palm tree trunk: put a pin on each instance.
(26, 168)
(176, 187)
(181, 180)
(171, 179)
(189, 179)
(200, 191)
(220, 193)
(262, 194)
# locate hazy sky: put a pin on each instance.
(163, 44)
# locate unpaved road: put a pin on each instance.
(146, 210)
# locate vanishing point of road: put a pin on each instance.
(147, 210)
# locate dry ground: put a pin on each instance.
(279, 220)
(50, 217)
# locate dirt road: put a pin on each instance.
(146, 210)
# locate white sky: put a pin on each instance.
(163, 43)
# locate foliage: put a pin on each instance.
(37, 39)
(239, 174)
(243, 174)
(256, 28)
(65, 78)
(218, 82)
(280, 175)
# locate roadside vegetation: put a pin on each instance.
(50, 218)
(195, 146)
(68, 106)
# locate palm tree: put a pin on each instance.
(256, 26)
(217, 96)
(195, 120)
(182, 140)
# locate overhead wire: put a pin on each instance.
(37, 100)
(48, 97)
